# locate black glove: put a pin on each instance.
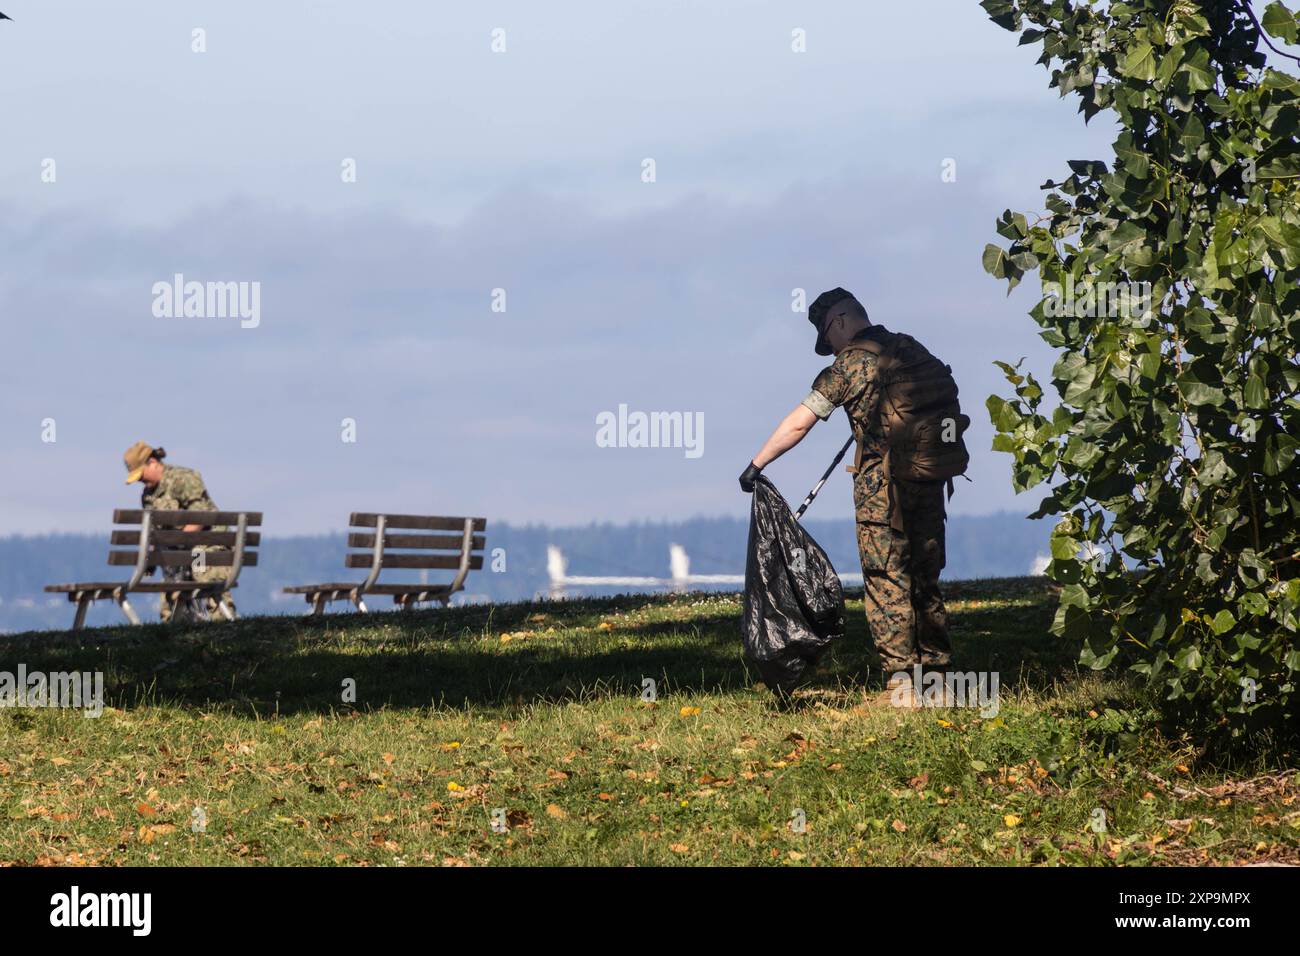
(748, 477)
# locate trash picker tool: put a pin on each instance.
(818, 487)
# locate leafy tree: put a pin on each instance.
(1171, 456)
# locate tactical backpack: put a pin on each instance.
(919, 413)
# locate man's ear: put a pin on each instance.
(838, 323)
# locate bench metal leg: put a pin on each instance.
(224, 608)
(317, 605)
(129, 611)
(361, 606)
(83, 603)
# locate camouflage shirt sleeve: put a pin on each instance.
(844, 380)
(818, 404)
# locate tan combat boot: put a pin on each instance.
(898, 693)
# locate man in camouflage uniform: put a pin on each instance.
(173, 488)
(900, 523)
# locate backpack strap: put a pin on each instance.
(885, 347)
(861, 344)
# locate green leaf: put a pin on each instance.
(1279, 452)
(995, 261)
(1197, 392)
(1283, 167)
(1141, 62)
(1256, 392)
(1200, 75)
(1281, 23)
(1193, 133)
(1252, 602)
(1136, 162)
(1064, 549)
(1188, 659)
(1062, 420)
(1088, 168)
(1214, 469)
(1003, 414)
(1223, 622)
(1003, 13)
(1082, 454)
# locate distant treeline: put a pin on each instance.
(1000, 545)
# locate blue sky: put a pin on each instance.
(479, 170)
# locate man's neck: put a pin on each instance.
(855, 336)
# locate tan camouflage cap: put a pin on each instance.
(136, 456)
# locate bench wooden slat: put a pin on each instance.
(187, 538)
(152, 587)
(135, 516)
(179, 559)
(419, 522)
(346, 587)
(429, 542)
(444, 561)
(389, 589)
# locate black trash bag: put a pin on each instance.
(794, 603)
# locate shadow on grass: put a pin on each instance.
(296, 665)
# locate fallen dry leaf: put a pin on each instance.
(148, 833)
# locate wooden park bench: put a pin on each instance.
(160, 542)
(460, 551)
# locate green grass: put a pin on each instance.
(246, 723)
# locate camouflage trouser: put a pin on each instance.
(167, 609)
(900, 570)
